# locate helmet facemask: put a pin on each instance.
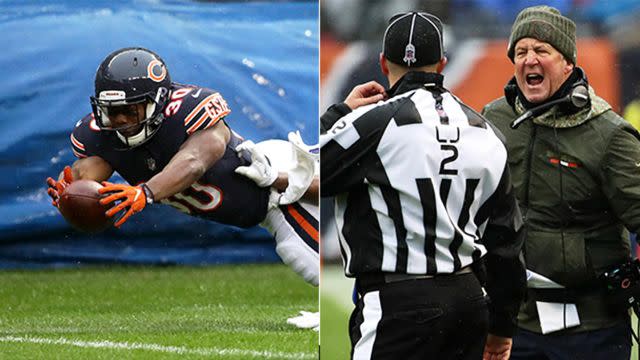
(126, 77)
(114, 99)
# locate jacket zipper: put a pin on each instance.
(528, 173)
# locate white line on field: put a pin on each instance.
(156, 347)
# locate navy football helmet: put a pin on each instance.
(131, 76)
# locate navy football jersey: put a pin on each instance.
(220, 194)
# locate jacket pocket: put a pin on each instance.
(608, 249)
(561, 257)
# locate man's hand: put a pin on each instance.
(260, 171)
(57, 187)
(133, 199)
(497, 348)
(365, 94)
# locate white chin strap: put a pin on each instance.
(141, 136)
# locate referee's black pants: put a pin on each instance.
(441, 318)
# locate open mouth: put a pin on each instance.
(534, 79)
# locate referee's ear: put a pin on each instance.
(383, 65)
(441, 64)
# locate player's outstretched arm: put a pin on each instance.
(195, 156)
(90, 168)
(201, 151)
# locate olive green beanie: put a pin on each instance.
(546, 24)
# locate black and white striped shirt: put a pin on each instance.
(420, 181)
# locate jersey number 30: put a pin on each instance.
(196, 198)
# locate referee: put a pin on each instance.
(423, 198)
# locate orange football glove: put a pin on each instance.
(133, 199)
(57, 187)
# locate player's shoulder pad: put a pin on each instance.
(197, 108)
(84, 133)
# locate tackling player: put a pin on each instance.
(170, 142)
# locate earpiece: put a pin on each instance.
(579, 96)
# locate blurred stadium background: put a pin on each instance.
(262, 56)
(475, 37)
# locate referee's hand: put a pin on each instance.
(497, 348)
(365, 94)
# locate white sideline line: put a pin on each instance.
(155, 347)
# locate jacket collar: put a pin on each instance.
(414, 80)
(555, 119)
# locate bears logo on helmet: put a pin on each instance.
(152, 66)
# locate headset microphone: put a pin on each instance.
(579, 98)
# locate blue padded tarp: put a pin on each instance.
(262, 56)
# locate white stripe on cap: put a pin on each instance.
(437, 30)
(410, 49)
(413, 23)
(410, 44)
(384, 37)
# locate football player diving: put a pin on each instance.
(171, 143)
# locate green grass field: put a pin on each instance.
(335, 308)
(221, 312)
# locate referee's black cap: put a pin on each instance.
(413, 39)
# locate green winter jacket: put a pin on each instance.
(577, 179)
